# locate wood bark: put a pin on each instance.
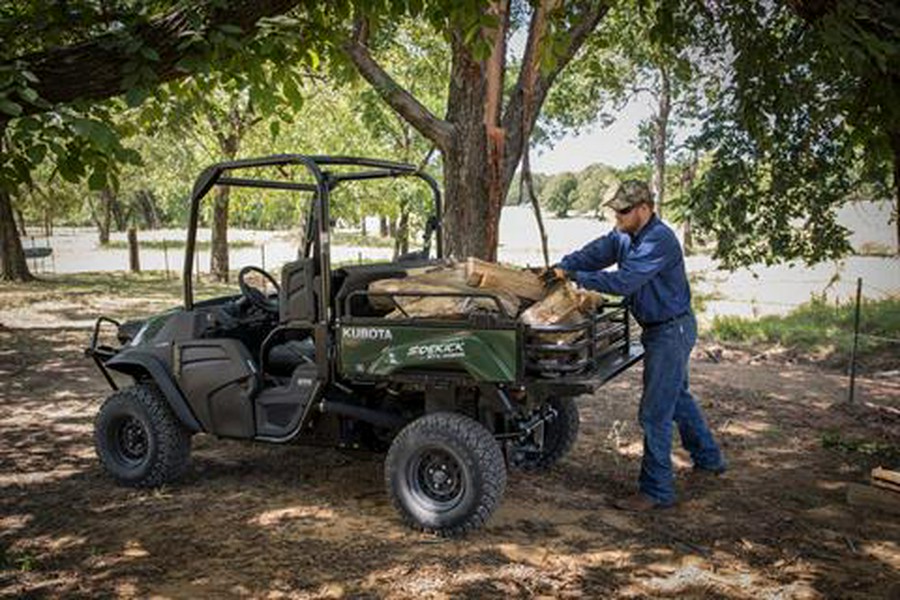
(15, 267)
(103, 215)
(92, 70)
(491, 276)
(444, 280)
(895, 148)
(218, 250)
(887, 475)
(20, 221)
(229, 132)
(660, 141)
(564, 304)
(134, 255)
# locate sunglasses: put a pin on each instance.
(625, 211)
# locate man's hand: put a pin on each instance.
(552, 275)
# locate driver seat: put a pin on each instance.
(297, 298)
(286, 357)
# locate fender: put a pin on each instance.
(133, 362)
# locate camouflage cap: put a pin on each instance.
(627, 194)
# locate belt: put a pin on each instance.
(665, 321)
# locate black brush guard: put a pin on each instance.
(599, 347)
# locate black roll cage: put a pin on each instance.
(317, 232)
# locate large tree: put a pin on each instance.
(483, 133)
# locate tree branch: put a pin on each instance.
(405, 104)
(518, 129)
(92, 70)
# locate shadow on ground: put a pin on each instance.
(295, 522)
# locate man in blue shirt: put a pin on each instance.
(651, 277)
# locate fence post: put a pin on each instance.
(851, 391)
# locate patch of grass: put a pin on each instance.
(17, 561)
(834, 440)
(819, 327)
(175, 244)
(344, 238)
(69, 287)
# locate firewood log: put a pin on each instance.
(440, 280)
(490, 276)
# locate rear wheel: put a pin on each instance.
(139, 440)
(445, 474)
(560, 434)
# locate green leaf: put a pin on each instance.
(313, 58)
(275, 129)
(29, 95)
(292, 92)
(149, 53)
(231, 29)
(136, 96)
(36, 153)
(9, 107)
(97, 180)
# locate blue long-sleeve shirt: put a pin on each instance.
(651, 274)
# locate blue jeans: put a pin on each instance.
(667, 398)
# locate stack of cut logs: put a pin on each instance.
(482, 286)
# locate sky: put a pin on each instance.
(615, 145)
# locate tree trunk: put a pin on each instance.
(481, 149)
(145, 203)
(134, 258)
(15, 268)
(688, 237)
(470, 220)
(104, 219)
(12, 256)
(218, 253)
(20, 221)
(895, 147)
(401, 235)
(660, 132)
(687, 183)
(121, 214)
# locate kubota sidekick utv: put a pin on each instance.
(453, 401)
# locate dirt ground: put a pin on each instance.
(293, 522)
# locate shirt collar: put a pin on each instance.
(636, 238)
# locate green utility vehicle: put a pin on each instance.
(453, 402)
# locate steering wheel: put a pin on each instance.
(254, 295)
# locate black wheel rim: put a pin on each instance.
(130, 442)
(437, 479)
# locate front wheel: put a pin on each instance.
(445, 474)
(138, 439)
